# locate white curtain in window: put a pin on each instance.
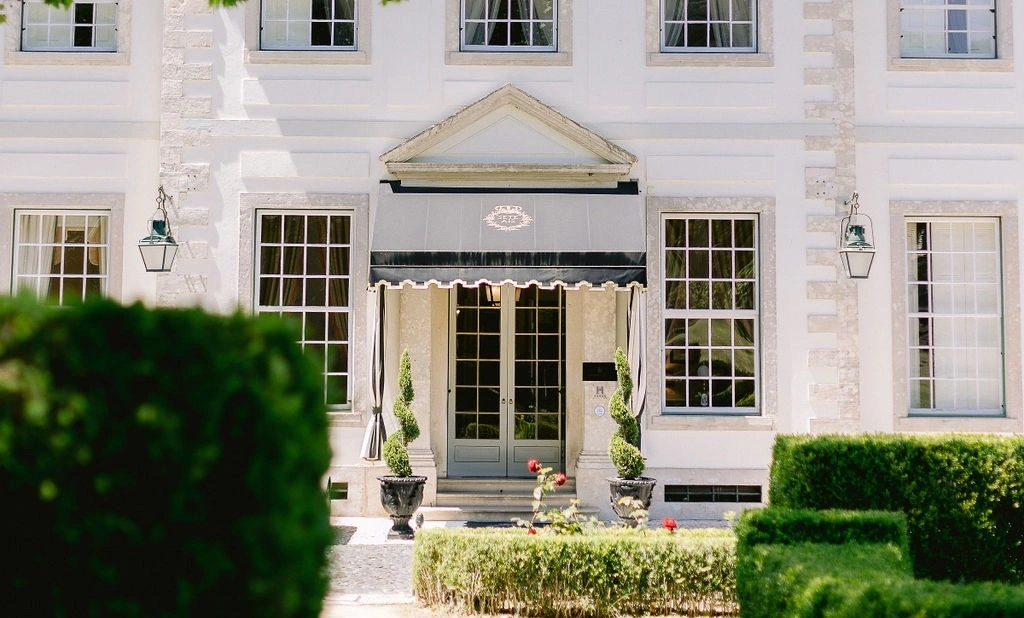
(675, 11)
(37, 252)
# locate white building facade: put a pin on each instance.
(526, 185)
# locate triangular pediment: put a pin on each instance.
(508, 136)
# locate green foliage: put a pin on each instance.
(780, 526)
(159, 463)
(808, 580)
(847, 564)
(962, 494)
(396, 455)
(629, 463)
(600, 573)
(396, 451)
(623, 446)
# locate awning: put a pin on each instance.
(541, 238)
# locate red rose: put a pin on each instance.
(533, 465)
(668, 523)
(560, 479)
(531, 531)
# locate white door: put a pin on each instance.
(507, 397)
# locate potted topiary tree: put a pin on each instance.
(401, 493)
(630, 490)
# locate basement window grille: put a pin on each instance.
(337, 491)
(713, 493)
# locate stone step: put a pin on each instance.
(492, 500)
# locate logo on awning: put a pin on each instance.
(508, 218)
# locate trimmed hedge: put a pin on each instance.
(963, 494)
(784, 571)
(159, 463)
(602, 573)
(779, 526)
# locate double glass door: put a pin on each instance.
(507, 397)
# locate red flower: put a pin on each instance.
(531, 531)
(533, 465)
(560, 479)
(668, 523)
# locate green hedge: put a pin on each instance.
(601, 573)
(861, 570)
(779, 526)
(159, 463)
(963, 495)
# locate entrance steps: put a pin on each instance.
(492, 500)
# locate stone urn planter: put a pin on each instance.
(401, 496)
(639, 489)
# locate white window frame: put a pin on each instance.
(290, 21)
(560, 55)
(14, 54)
(106, 204)
(922, 21)
(952, 366)
(38, 251)
(354, 413)
(680, 26)
(256, 53)
(707, 405)
(760, 55)
(1002, 61)
(37, 16)
(507, 23)
(904, 417)
(309, 312)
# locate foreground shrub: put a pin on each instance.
(600, 573)
(809, 564)
(963, 495)
(159, 463)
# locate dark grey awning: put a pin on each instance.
(524, 238)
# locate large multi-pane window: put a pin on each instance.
(954, 316)
(508, 25)
(308, 25)
(711, 319)
(304, 274)
(708, 25)
(61, 256)
(948, 29)
(82, 27)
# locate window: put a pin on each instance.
(304, 274)
(508, 25)
(948, 29)
(708, 26)
(61, 256)
(308, 25)
(711, 320)
(82, 27)
(954, 316)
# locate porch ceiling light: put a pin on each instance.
(856, 238)
(159, 248)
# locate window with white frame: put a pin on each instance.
(708, 25)
(509, 25)
(82, 27)
(954, 316)
(61, 256)
(711, 322)
(303, 262)
(948, 29)
(308, 25)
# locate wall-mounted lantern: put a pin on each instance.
(158, 248)
(856, 242)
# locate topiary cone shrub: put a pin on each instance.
(623, 448)
(396, 447)
(159, 463)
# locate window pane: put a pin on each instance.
(508, 25)
(954, 316)
(710, 333)
(322, 25)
